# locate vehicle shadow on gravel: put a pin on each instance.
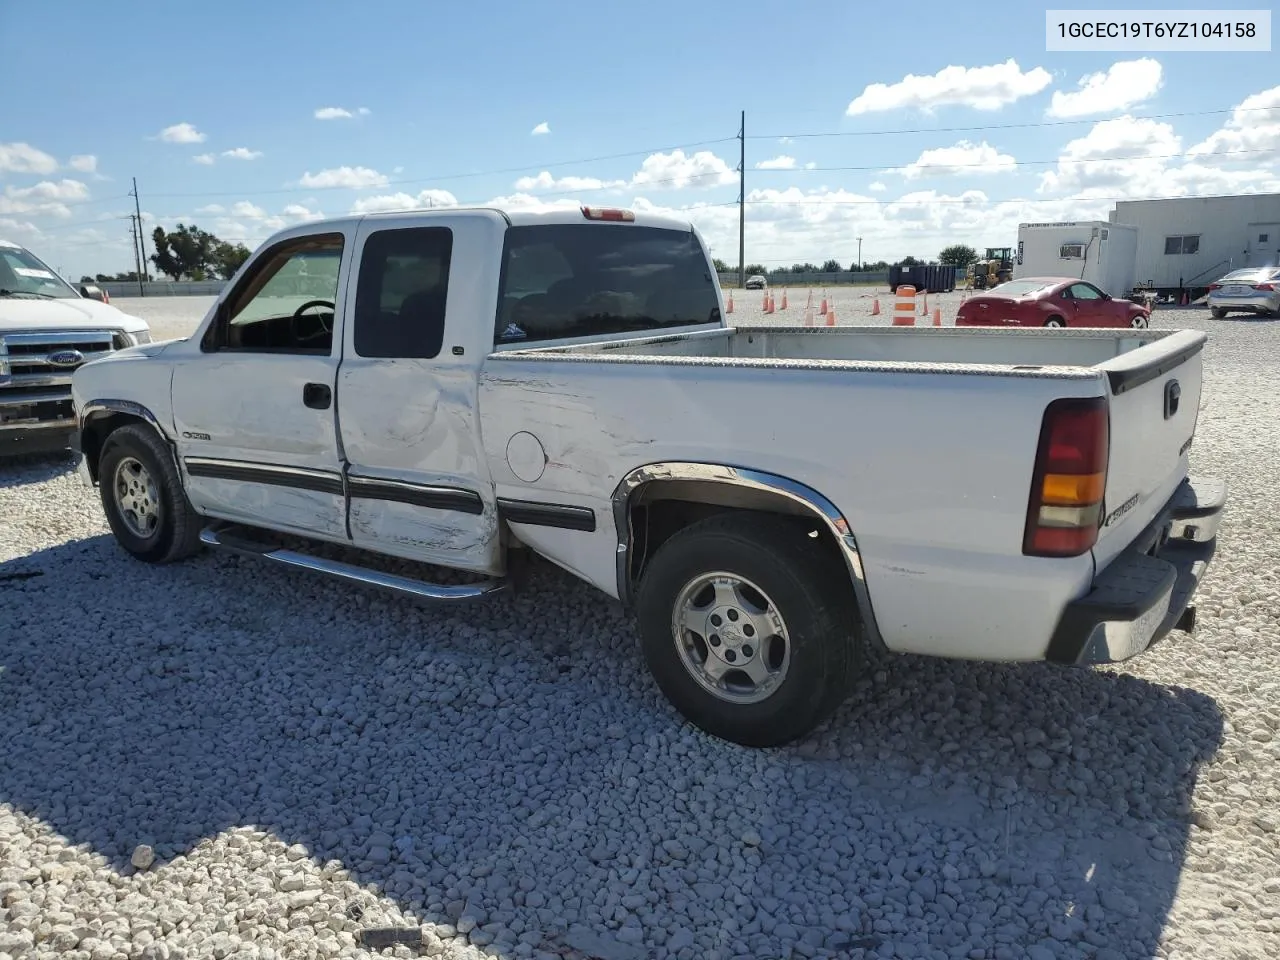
(27, 469)
(514, 762)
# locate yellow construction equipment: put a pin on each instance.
(995, 268)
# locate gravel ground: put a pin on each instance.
(218, 759)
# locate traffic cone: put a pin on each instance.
(924, 305)
(937, 316)
(808, 315)
(823, 311)
(729, 306)
(764, 301)
(768, 303)
(784, 299)
(831, 318)
(875, 307)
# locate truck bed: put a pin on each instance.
(924, 438)
(1020, 351)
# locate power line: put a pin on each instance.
(455, 176)
(1011, 162)
(998, 126)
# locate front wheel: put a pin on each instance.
(749, 628)
(1139, 322)
(1055, 322)
(1218, 313)
(143, 499)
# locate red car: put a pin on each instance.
(1050, 302)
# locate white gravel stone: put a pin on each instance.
(289, 749)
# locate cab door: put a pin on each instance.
(253, 410)
(407, 389)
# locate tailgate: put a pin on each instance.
(1154, 406)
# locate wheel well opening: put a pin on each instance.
(94, 435)
(659, 511)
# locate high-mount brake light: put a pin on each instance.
(608, 213)
(1064, 513)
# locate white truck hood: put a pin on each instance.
(21, 313)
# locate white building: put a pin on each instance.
(1191, 241)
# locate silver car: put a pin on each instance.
(1252, 290)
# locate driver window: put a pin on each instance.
(287, 303)
(1082, 291)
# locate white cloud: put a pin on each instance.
(48, 198)
(1124, 84)
(18, 228)
(810, 165)
(530, 204)
(212, 209)
(339, 113)
(84, 163)
(545, 181)
(182, 133)
(877, 187)
(247, 210)
(780, 162)
(24, 158)
(675, 170)
(1088, 165)
(207, 159)
(540, 129)
(982, 88)
(300, 214)
(385, 203)
(242, 153)
(962, 158)
(785, 140)
(1254, 125)
(352, 178)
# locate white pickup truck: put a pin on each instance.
(456, 386)
(47, 329)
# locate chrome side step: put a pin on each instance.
(231, 539)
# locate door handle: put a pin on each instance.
(316, 395)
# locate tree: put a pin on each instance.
(719, 265)
(755, 268)
(959, 254)
(832, 266)
(229, 256)
(908, 261)
(186, 252)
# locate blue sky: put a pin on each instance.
(214, 110)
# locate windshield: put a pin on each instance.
(1020, 288)
(22, 272)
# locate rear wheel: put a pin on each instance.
(749, 628)
(1218, 313)
(1139, 322)
(143, 499)
(1055, 322)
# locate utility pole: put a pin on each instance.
(144, 273)
(859, 253)
(135, 228)
(742, 200)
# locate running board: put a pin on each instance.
(230, 539)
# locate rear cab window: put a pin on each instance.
(402, 292)
(586, 280)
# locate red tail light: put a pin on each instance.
(1264, 286)
(608, 213)
(1215, 286)
(1065, 508)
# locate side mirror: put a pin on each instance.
(93, 292)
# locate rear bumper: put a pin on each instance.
(1146, 592)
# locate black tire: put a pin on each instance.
(176, 532)
(1218, 313)
(804, 580)
(1056, 322)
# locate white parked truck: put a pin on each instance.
(458, 386)
(47, 329)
